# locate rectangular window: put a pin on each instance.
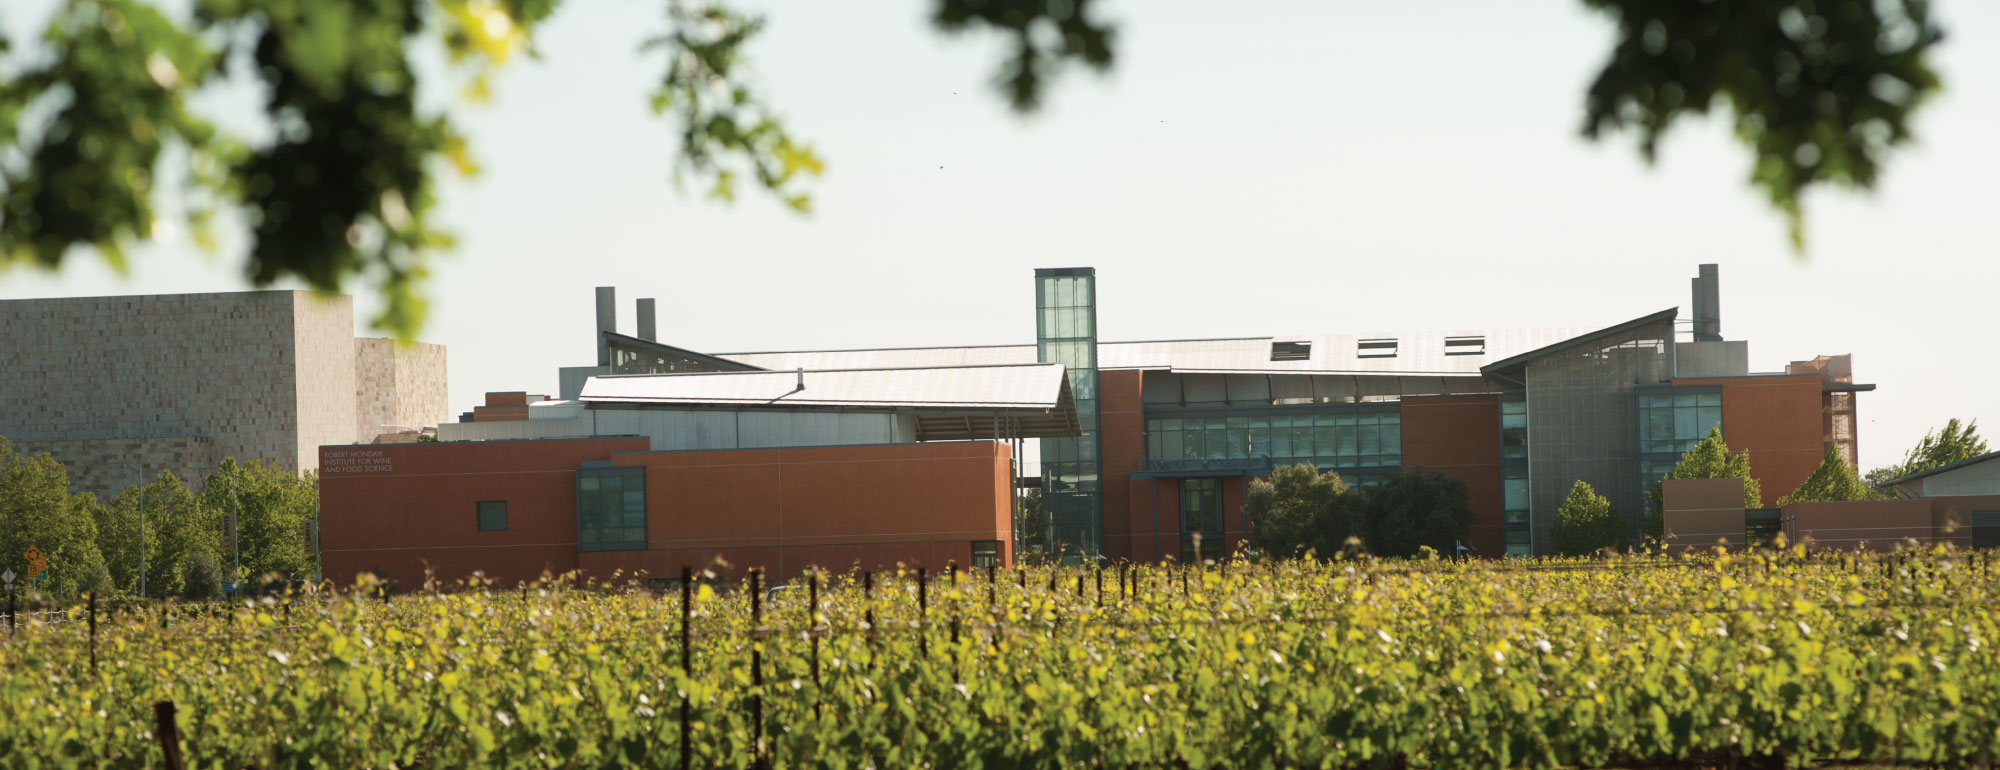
(1673, 420)
(1518, 543)
(492, 515)
(1291, 351)
(1514, 429)
(611, 509)
(1377, 348)
(1986, 529)
(985, 553)
(1465, 346)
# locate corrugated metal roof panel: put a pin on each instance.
(1031, 386)
(1414, 353)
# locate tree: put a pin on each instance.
(1408, 510)
(343, 187)
(201, 576)
(1953, 443)
(38, 511)
(273, 512)
(1298, 510)
(176, 526)
(1586, 523)
(1709, 459)
(1832, 481)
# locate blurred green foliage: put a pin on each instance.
(1820, 90)
(343, 189)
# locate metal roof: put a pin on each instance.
(1522, 359)
(951, 403)
(1413, 353)
(1942, 468)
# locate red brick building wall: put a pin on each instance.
(1459, 437)
(871, 507)
(400, 510)
(1778, 420)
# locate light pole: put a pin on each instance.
(235, 552)
(142, 525)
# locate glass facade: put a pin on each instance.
(1516, 518)
(1326, 435)
(1201, 512)
(611, 509)
(1672, 419)
(1066, 333)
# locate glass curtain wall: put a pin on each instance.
(1515, 518)
(1580, 405)
(1344, 436)
(1672, 419)
(1066, 333)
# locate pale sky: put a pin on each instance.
(1275, 168)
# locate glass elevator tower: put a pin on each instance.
(1066, 333)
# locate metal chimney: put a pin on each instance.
(607, 321)
(646, 330)
(1707, 305)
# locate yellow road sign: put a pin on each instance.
(37, 563)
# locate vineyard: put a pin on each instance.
(1778, 657)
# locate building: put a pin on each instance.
(1962, 509)
(653, 473)
(178, 382)
(1146, 448)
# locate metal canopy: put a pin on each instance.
(949, 403)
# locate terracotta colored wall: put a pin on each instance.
(1952, 516)
(1235, 526)
(1155, 530)
(1459, 436)
(398, 510)
(1122, 420)
(1703, 513)
(1871, 524)
(1778, 420)
(835, 507)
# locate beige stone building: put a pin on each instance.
(180, 381)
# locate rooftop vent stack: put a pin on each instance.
(646, 330)
(802, 380)
(1707, 305)
(607, 321)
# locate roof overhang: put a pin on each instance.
(949, 403)
(1508, 368)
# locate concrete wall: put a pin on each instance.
(263, 375)
(784, 510)
(1459, 437)
(399, 510)
(1703, 513)
(398, 385)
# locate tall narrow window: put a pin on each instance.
(492, 515)
(1201, 512)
